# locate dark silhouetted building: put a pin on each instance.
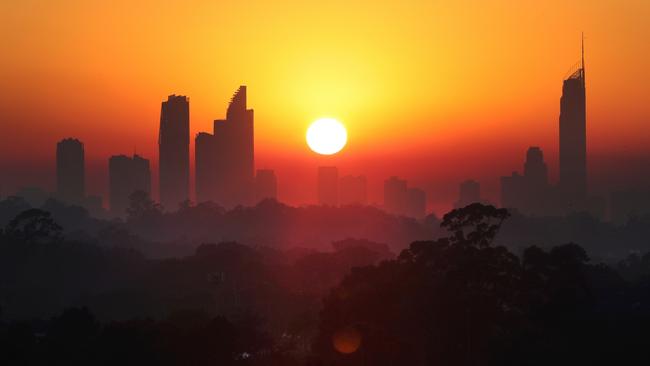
(70, 171)
(537, 191)
(225, 159)
(512, 191)
(573, 138)
(174, 151)
(469, 192)
(395, 195)
(266, 185)
(353, 190)
(530, 193)
(416, 203)
(205, 165)
(328, 186)
(127, 175)
(535, 169)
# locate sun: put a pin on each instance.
(326, 136)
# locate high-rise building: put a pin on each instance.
(573, 137)
(353, 190)
(127, 175)
(530, 193)
(512, 191)
(416, 203)
(328, 186)
(469, 192)
(174, 151)
(395, 195)
(535, 170)
(206, 172)
(266, 185)
(70, 171)
(225, 159)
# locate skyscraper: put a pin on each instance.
(469, 192)
(206, 171)
(328, 186)
(512, 191)
(127, 175)
(225, 159)
(395, 195)
(530, 193)
(353, 190)
(573, 137)
(174, 151)
(416, 203)
(70, 171)
(535, 169)
(266, 185)
(236, 152)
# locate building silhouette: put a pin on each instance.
(70, 171)
(535, 169)
(328, 186)
(205, 167)
(353, 190)
(127, 175)
(530, 193)
(225, 159)
(573, 137)
(416, 203)
(395, 195)
(469, 192)
(174, 151)
(512, 191)
(538, 194)
(266, 185)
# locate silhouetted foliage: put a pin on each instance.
(185, 338)
(476, 224)
(459, 299)
(33, 226)
(142, 206)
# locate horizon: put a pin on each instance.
(456, 118)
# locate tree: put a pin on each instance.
(34, 226)
(440, 302)
(141, 206)
(476, 224)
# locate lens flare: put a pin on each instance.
(346, 340)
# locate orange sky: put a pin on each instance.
(435, 91)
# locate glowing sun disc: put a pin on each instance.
(326, 136)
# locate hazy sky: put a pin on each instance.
(435, 91)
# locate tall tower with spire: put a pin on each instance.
(573, 136)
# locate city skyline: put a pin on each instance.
(471, 75)
(224, 169)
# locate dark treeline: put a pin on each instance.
(160, 234)
(157, 233)
(458, 298)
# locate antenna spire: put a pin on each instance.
(582, 46)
